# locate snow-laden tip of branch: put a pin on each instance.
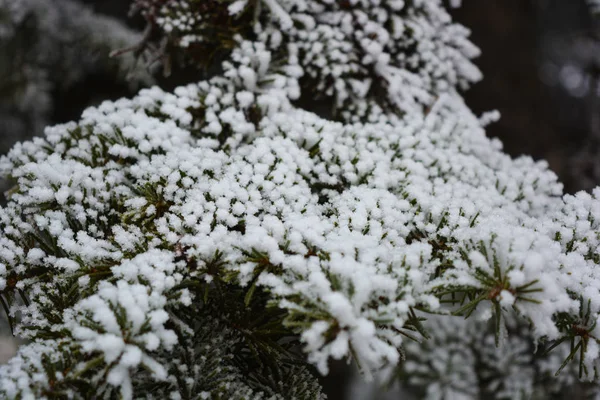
(279, 14)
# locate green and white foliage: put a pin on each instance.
(215, 241)
(365, 56)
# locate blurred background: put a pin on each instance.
(541, 63)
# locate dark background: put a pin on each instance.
(530, 51)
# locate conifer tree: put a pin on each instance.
(326, 194)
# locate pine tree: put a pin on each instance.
(326, 194)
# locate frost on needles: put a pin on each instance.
(221, 241)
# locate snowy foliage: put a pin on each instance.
(463, 362)
(364, 55)
(188, 244)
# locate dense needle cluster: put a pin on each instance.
(222, 242)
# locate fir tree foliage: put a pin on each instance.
(220, 241)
